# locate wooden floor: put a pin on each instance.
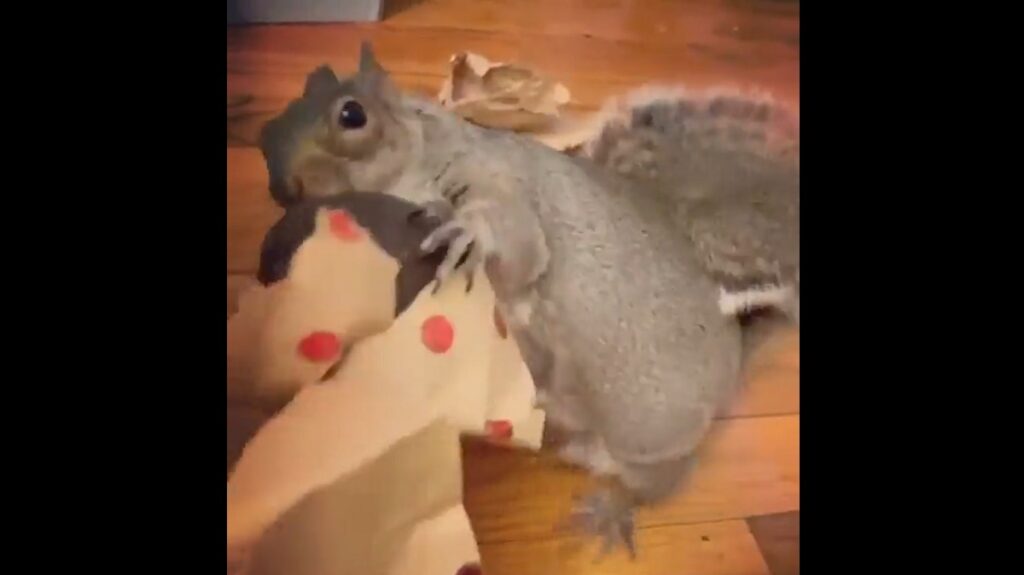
(740, 514)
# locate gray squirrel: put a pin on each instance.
(613, 306)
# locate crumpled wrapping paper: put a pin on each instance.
(501, 95)
(362, 473)
(513, 97)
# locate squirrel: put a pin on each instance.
(616, 308)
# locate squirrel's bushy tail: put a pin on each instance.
(727, 162)
(649, 130)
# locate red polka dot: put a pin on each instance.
(499, 323)
(320, 346)
(469, 569)
(437, 334)
(499, 429)
(343, 226)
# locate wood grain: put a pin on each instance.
(650, 21)
(251, 212)
(425, 51)
(749, 466)
(778, 537)
(618, 46)
(720, 548)
(772, 377)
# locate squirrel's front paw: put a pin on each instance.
(467, 238)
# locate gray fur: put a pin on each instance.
(615, 314)
(646, 360)
(729, 164)
(309, 155)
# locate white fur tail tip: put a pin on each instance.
(742, 301)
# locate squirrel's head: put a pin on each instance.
(341, 135)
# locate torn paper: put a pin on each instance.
(512, 97)
(501, 95)
(363, 470)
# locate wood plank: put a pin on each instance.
(778, 537)
(251, 212)
(267, 65)
(654, 21)
(749, 466)
(722, 548)
(772, 378)
(425, 51)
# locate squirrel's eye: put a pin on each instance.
(352, 116)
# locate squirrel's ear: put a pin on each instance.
(372, 75)
(367, 60)
(320, 83)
